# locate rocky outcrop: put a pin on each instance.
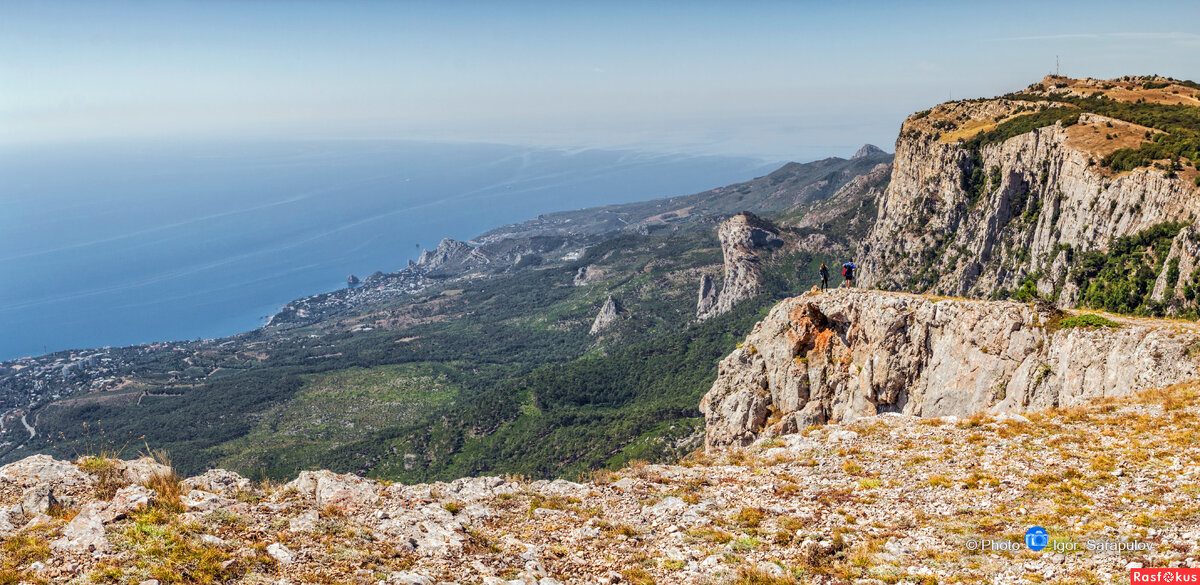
(707, 297)
(980, 222)
(588, 275)
(744, 239)
(219, 481)
(608, 315)
(448, 251)
(848, 354)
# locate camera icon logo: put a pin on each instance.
(1037, 538)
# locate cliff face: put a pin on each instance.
(848, 354)
(1178, 283)
(744, 238)
(1042, 199)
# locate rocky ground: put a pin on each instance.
(889, 499)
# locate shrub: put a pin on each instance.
(749, 517)
(1088, 320)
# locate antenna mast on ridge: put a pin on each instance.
(1056, 66)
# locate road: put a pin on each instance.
(32, 431)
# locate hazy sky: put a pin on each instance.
(777, 79)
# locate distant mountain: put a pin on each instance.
(791, 185)
(866, 151)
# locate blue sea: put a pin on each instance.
(119, 244)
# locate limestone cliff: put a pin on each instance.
(847, 354)
(967, 216)
(744, 239)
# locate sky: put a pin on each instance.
(780, 80)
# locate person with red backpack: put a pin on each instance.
(848, 274)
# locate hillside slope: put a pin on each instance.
(476, 359)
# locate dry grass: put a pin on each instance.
(757, 576)
(166, 483)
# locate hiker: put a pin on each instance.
(824, 276)
(848, 274)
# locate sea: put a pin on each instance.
(120, 244)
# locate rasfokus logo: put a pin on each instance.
(1037, 538)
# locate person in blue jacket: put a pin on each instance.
(848, 270)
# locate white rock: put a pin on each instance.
(85, 532)
(141, 470)
(202, 501)
(211, 540)
(347, 492)
(39, 469)
(841, 436)
(625, 483)
(280, 553)
(409, 578)
(305, 522)
(126, 500)
(219, 481)
(772, 570)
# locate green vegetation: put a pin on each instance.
(507, 381)
(1026, 291)
(165, 549)
(1087, 320)
(1121, 279)
(1021, 124)
(1180, 126)
(339, 407)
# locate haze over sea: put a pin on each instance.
(121, 244)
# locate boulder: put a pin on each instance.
(219, 481)
(305, 522)
(142, 469)
(347, 492)
(282, 554)
(85, 532)
(126, 500)
(430, 530)
(38, 499)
